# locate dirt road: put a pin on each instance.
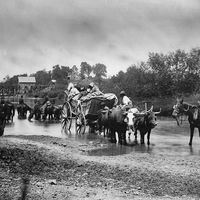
(56, 168)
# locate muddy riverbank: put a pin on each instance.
(57, 168)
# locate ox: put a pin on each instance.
(120, 121)
(144, 123)
(130, 119)
(103, 121)
(117, 124)
(193, 113)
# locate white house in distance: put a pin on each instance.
(25, 83)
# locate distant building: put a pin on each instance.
(26, 83)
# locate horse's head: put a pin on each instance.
(181, 108)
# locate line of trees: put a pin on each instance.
(161, 75)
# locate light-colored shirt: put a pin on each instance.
(126, 101)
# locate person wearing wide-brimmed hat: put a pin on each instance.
(125, 100)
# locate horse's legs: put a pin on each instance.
(191, 134)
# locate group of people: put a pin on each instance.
(93, 90)
(82, 94)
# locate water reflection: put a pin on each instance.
(166, 138)
(117, 149)
(112, 150)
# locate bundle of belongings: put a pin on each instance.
(92, 99)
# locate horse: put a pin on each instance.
(10, 112)
(48, 111)
(57, 112)
(193, 113)
(36, 111)
(22, 110)
(3, 113)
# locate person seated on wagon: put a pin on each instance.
(72, 92)
(45, 103)
(92, 91)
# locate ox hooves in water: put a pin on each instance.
(135, 142)
(113, 140)
(123, 142)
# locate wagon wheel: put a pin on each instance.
(80, 124)
(66, 118)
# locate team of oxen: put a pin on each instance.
(110, 121)
(121, 121)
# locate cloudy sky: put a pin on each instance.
(37, 34)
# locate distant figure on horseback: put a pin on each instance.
(45, 103)
(22, 108)
(21, 100)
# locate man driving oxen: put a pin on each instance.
(125, 101)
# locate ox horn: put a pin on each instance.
(150, 110)
(185, 110)
(156, 113)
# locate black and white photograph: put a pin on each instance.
(99, 100)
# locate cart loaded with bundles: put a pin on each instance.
(85, 111)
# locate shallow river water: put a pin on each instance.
(167, 138)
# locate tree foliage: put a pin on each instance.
(42, 77)
(100, 71)
(86, 70)
(161, 75)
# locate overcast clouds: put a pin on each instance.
(38, 34)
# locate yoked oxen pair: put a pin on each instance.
(117, 120)
(193, 113)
